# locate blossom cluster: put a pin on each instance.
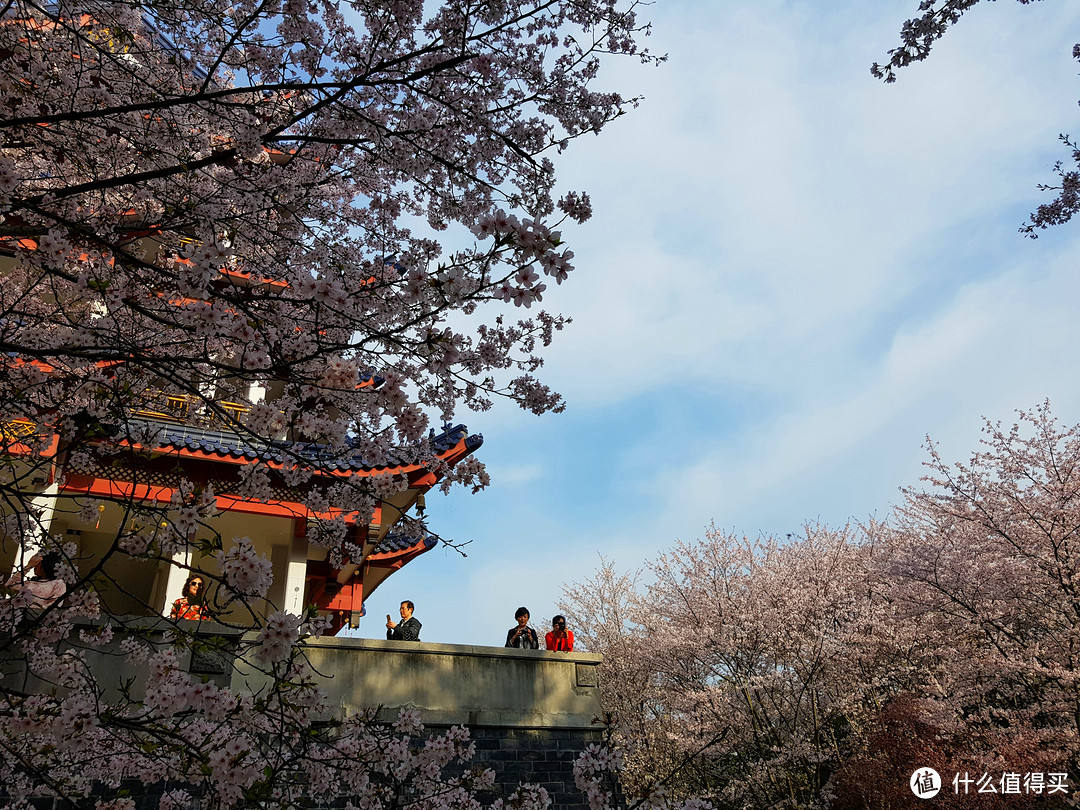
(277, 637)
(245, 571)
(234, 212)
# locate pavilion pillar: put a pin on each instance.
(44, 505)
(296, 571)
(179, 571)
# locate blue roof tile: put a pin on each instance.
(399, 541)
(231, 444)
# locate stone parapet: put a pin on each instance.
(531, 712)
(454, 684)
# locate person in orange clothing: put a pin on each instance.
(191, 604)
(559, 638)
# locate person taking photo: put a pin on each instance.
(522, 636)
(559, 638)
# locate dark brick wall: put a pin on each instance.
(540, 756)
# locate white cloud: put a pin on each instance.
(781, 237)
(514, 476)
(1001, 345)
(754, 210)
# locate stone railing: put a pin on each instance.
(451, 684)
(531, 712)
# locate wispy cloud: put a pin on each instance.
(794, 274)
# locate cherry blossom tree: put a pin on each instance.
(605, 609)
(339, 220)
(749, 670)
(917, 37)
(823, 670)
(985, 562)
(204, 199)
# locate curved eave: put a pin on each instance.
(421, 480)
(378, 567)
(419, 475)
(392, 509)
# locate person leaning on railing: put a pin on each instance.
(408, 629)
(559, 638)
(45, 587)
(522, 636)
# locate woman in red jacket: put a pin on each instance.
(559, 638)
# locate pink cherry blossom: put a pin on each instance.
(245, 571)
(229, 223)
(276, 639)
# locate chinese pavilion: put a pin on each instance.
(196, 439)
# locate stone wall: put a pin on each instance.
(541, 756)
(530, 712)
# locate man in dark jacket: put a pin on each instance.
(522, 636)
(408, 629)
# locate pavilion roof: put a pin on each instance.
(400, 541)
(230, 445)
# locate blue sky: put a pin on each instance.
(794, 274)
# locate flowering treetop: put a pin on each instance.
(917, 37)
(224, 195)
(235, 205)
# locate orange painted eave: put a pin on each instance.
(391, 559)
(425, 477)
(125, 490)
(17, 448)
